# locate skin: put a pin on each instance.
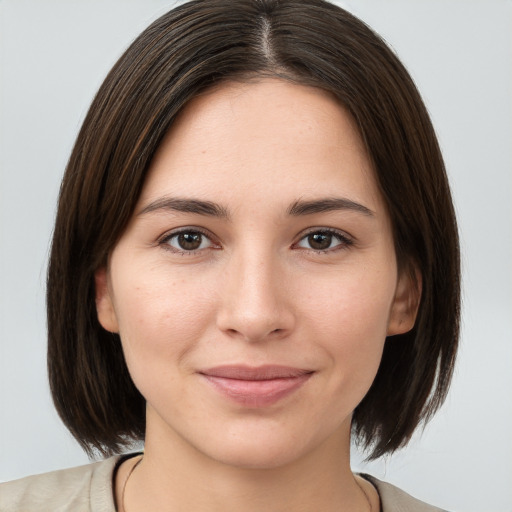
(255, 292)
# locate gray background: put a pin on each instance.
(54, 55)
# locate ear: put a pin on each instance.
(406, 302)
(104, 305)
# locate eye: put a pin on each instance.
(324, 240)
(188, 241)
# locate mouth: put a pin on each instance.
(256, 386)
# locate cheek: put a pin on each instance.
(350, 317)
(353, 300)
(160, 320)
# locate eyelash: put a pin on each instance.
(165, 241)
(344, 240)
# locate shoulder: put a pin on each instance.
(394, 499)
(81, 489)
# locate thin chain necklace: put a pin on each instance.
(126, 481)
(365, 494)
(123, 509)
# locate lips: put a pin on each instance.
(256, 386)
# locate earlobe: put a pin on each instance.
(104, 306)
(406, 303)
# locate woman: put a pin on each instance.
(255, 257)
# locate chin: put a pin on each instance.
(257, 457)
(259, 448)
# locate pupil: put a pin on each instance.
(189, 241)
(320, 240)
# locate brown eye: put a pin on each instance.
(324, 241)
(188, 241)
(320, 241)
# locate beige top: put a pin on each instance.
(89, 489)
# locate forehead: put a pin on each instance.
(261, 136)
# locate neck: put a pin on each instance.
(175, 476)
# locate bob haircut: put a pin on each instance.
(192, 48)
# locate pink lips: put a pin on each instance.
(256, 386)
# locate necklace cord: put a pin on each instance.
(123, 509)
(365, 493)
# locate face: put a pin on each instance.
(256, 282)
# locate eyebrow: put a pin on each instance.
(328, 204)
(211, 209)
(196, 206)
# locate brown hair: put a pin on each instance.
(188, 50)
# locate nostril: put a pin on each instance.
(274, 333)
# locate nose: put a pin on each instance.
(256, 302)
